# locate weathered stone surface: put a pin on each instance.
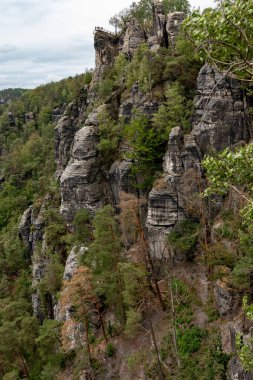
(81, 187)
(221, 115)
(85, 142)
(81, 181)
(64, 135)
(173, 162)
(227, 299)
(159, 24)
(236, 372)
(106, 47)
(72, 261)
(133, 37)
(174, 21)
(93, 117)
(120, 180)
(29, 117)
(220, 121)
(24, 228)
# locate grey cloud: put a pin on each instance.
(29, 11)
(30, 68)
(7, 48)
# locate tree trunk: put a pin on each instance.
(24, 365)
(101, 321)
(87, 339)
(173, 325)
(161, 375)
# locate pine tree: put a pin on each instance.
(104, 256)
(79, 293)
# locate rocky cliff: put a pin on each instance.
(220, 120)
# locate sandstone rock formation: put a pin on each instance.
(106, 47)
(133, 37)
(220, 121)
(81, 182)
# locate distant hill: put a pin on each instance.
(10, 94)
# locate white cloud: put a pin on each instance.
(48, 40)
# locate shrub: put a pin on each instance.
(110, 350)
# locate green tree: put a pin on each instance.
(176, 6)
(81, 224)
(49, 349)
(224, 36)
(18, 330)
(79, 293)
(232, 171)
(176, 111)
(104, 256)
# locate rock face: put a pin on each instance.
(220, 121)
(66, 128)
(81, 182)
(32, 234)
(25, 227)
(160, 24)
(235, 371)
(120, 180)
(221, 116)
(106, 47)
(174, 21)
(72, 262)
(227, 299)
(133, 37)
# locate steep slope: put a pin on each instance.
(131, 268)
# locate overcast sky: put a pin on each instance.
(47, 40)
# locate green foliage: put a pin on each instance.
(27, 166)
(81, 224)
(184, 237)
(143, 12)
(147, 147)
(51, 357)
(18, 329)
(176, 111)
(170, 6)
(9, 94)
(233, 170)
(110, 350)
(229, 168)
(135, 286)
(224, 36)
(103, 257)
(13, 375)
(244, 350)
(189, 340)
(110, 134)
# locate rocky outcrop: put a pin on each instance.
(174, 21)
(72, 262)
(120, 179)
(81, 182)
(32, 234)
(133, 37)
(25, 228)
(159, 21)
(106, 46)
(236, 372)
(221, 114)
(220, 121)
(227, 299)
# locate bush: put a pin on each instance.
(189, 340)
(110, 350)
(184, 237)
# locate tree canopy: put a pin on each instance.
(224, 36)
